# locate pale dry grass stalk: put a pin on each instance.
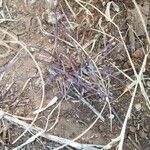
(68, 5)
(23, 45)
(14, 120)
(137, 81)
(132, 86)
(128, 114)
(141, 18)
(85, 131)
(35, 136)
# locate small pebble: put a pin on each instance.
(132, 129)
(138, 106)
(143, 134)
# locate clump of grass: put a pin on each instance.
(82, 71)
